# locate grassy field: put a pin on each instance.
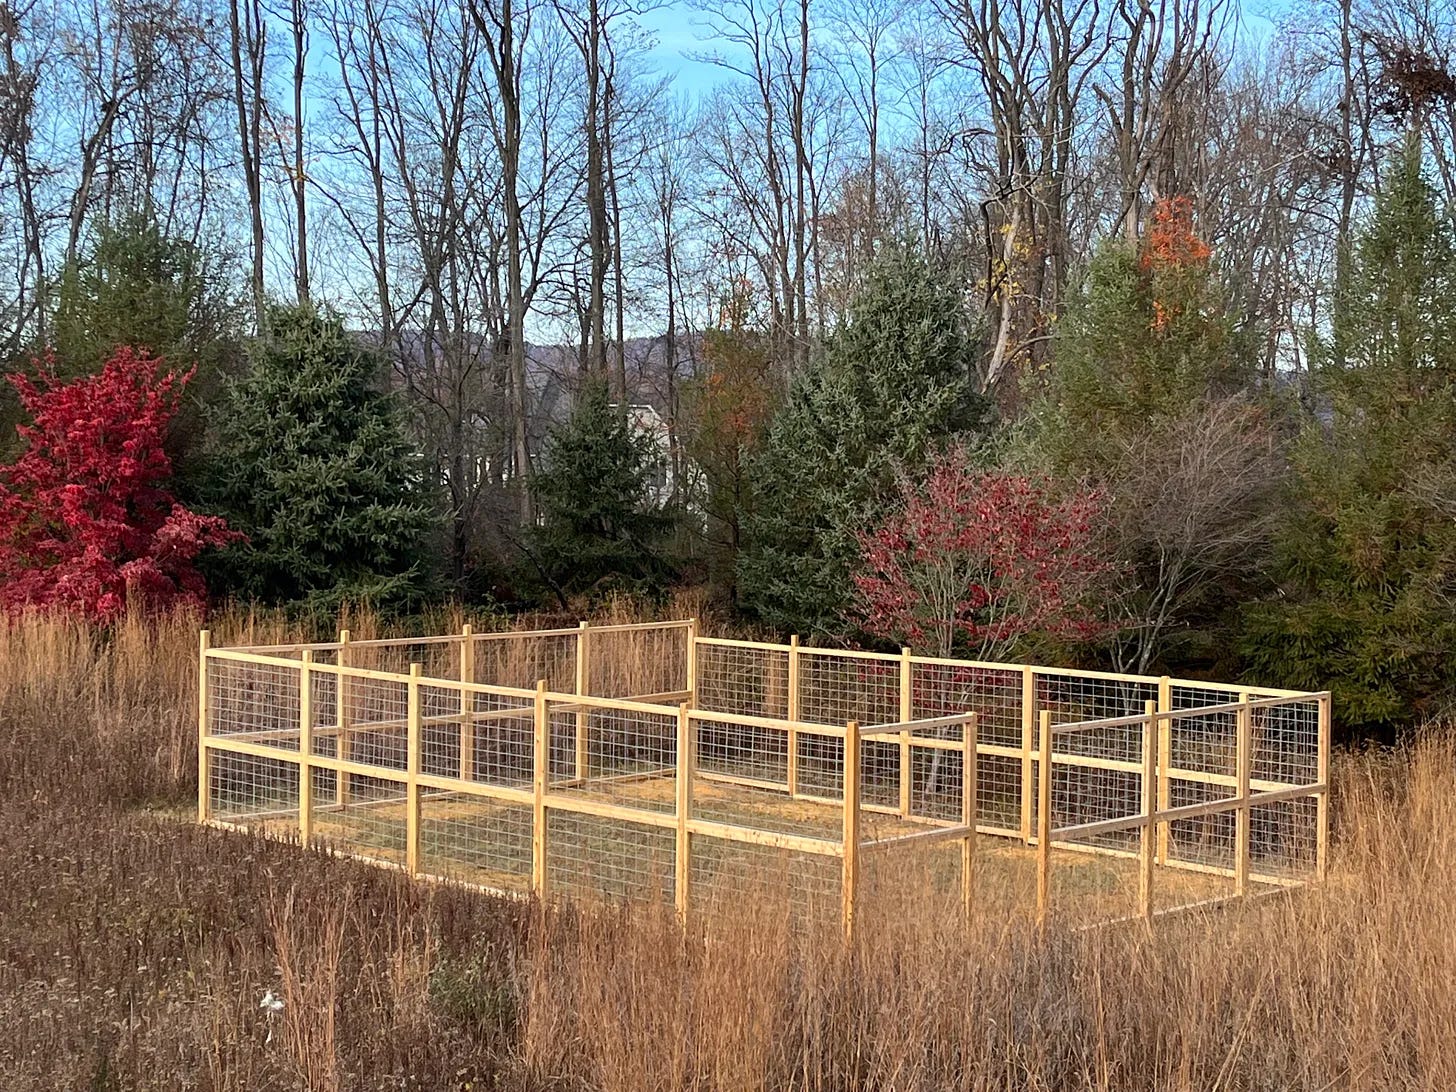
(135, 948)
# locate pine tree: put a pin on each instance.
(1368, 559)
(599, 526)
(892, 387)
(311, 462)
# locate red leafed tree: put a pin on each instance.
(970, 560)
(86, 520)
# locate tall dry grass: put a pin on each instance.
(135, 948)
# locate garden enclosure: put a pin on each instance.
(648, 762)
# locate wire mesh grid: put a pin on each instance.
(438, 657)
(941, 689)
(1283, 838)
(1286, 742)
(1075, 698)
(252, 788)
(520, 660)
(748, 752)
(260, 701)
(368, 818)
(1088, 788)
(835, 688)
(593, 856)
(750, 681)
(629, 756)
(375, 730)
(628, 663)
(476, 840)
(806, 889)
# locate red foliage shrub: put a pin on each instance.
(1171, 251)
(86, 521)
(978, 559)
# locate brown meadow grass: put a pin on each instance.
(135, 948)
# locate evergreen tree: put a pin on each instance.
(1368, 559)
(599, 525)
(311, 462)
(1146, 337)
(891, 388)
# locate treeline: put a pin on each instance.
(1102, 330)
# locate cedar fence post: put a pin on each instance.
(467, 703)
(1028, 735)
(541, 766)
(682, 878)
(850, 872)
(905, 757)
(1165, 761)
(969, 736)
(204, 764)
(1147, 839)
(305, 748)
(792, 707)
(583, 718)
(1243, 760)
(412, 772)
(343, 749)
(1322, 802)
(1044, 820)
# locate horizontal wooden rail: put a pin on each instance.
(1187, 811)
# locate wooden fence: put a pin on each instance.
(648, 762)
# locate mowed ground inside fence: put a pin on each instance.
(646, 762)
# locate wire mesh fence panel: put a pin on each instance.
(628, 663)
(819, 766)
(369, 820)
(250, 788)
(1283, 838)
(629, 756)
(438, 657)
(835, 688)
(913, 891)
(937, 780)
(881, 774)
(257, 700)
(478, 841)
(940, 689)
(1073, 698)
(593, 856)
(1201, 747)
(520, 660)
(1086, 790)
(749, 681)
(376, 711)
(1286, 742)
(499, 744)
(750, 752)
(802, 889)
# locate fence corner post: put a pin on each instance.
(204, 764)
(1152, 726)
(686, 763)
(969, 740)
(850, 872)
(1044, 820)
(540, 772)
(412, 772)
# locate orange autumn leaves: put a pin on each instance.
(1172, 252)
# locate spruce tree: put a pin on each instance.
(311, 462)
(599, 527)
(1368, 557)
(892, 387)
